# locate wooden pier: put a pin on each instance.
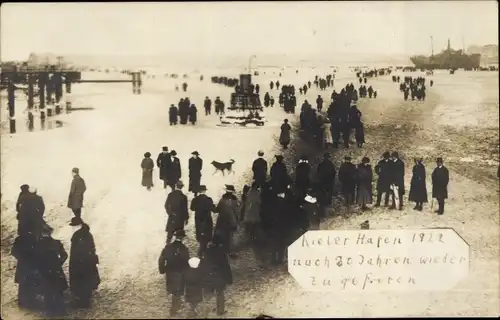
(49, 81)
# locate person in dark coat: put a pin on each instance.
(319, 103)
(418, 188)
(271, 101)
(203, 206)
(397, 169)
(312, 210)
(285, 134)
(217, 270)
(280, 222)
(440, 178)
(251, 212)
(360, 134)
(22, 195)
(271, 85)
(30, 218)
(382, 169)
(193, 280)
(195, 167)
(174, 172)
(176, 207)
(347, 177)
(51, 257)
(174, 263)
(83, 260)
(259, 169)
(280, 179)
(227, 220)
(173, 114)
(75, 198)
(193, 114)
(147, 166)
(207, 104)
(302, 176)
(27, 271)
(184, 86)
(326, 177)
(163, 162)
(364, 184)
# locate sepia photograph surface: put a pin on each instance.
(181, 160)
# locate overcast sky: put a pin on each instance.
(295, 28)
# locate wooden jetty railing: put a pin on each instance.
(50, 82)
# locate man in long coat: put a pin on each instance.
(208, 106)
(176, 206)
(285, 134)
(418, 188)
(382, 169)
(203, 206)
(75, 198)
(174, 172)
(173, 113)
(164, 162)
(195, 167)
(347, 177)
(440, 178)
(259, 168)
(302, 176)
(397, 168)
(173, 263)
(30, 217)
(227, 220)
(83, 274)
(280, 179)
(326, 176)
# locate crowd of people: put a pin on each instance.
(414, 87)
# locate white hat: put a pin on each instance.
(194, 262)
(310, 199)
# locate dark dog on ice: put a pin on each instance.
(223, 166)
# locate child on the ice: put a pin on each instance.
(360, 135)
(272, 102)
(193, 281)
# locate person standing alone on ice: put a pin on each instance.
(75, 198)
(83, 260)
(174, 171)
(285, 134)
(440, 179)
(164, 162)
(173, 263)
(176, 206)
(147, 166)
(195, 166)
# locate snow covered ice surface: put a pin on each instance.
(107, 145)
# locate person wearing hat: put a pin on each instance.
(364, 183)
(147, 166)
(302, 176)
(383, 170)
(193, 112)
(280, 179)
(164, 162)
(176, 206)
(50, 257)
(173, 263)
(326, 177)
(285, 134)
(347, 177)
(397, 169)
(259, 169)
(319, 102)
(75, 198)
(440, 178)
(195, 167)
(217, 104)
(217, 271)
(83, 273)
(227, 220)
(22, 195)
(418, 187)
(251, 212)
(194, 285)
(174, 170)
(173, 115)
(32, 209)
(208, 106)
(203, 206)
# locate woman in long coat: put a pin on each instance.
(193, 112)
(251, 211)
(83, 274)
(285, 134)
(418, 189)
(364, 183)
(147, 166)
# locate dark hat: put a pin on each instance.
(386, 154)
(260, 153)
(395, 154)
(286, 120)
(439, 159)
(279, 157)
(173, 153)
(195, 153)
(365, 160)
(326, 155)
(230, 187)
(25, 187)
(75, 170)
(147, 155)
(303, 157)
(179, 184)
(164, 148)
(180, 233)
(75, 221)
(347, 158)
(202, 188)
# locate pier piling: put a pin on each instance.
(12, 108)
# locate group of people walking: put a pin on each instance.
(183, 113)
